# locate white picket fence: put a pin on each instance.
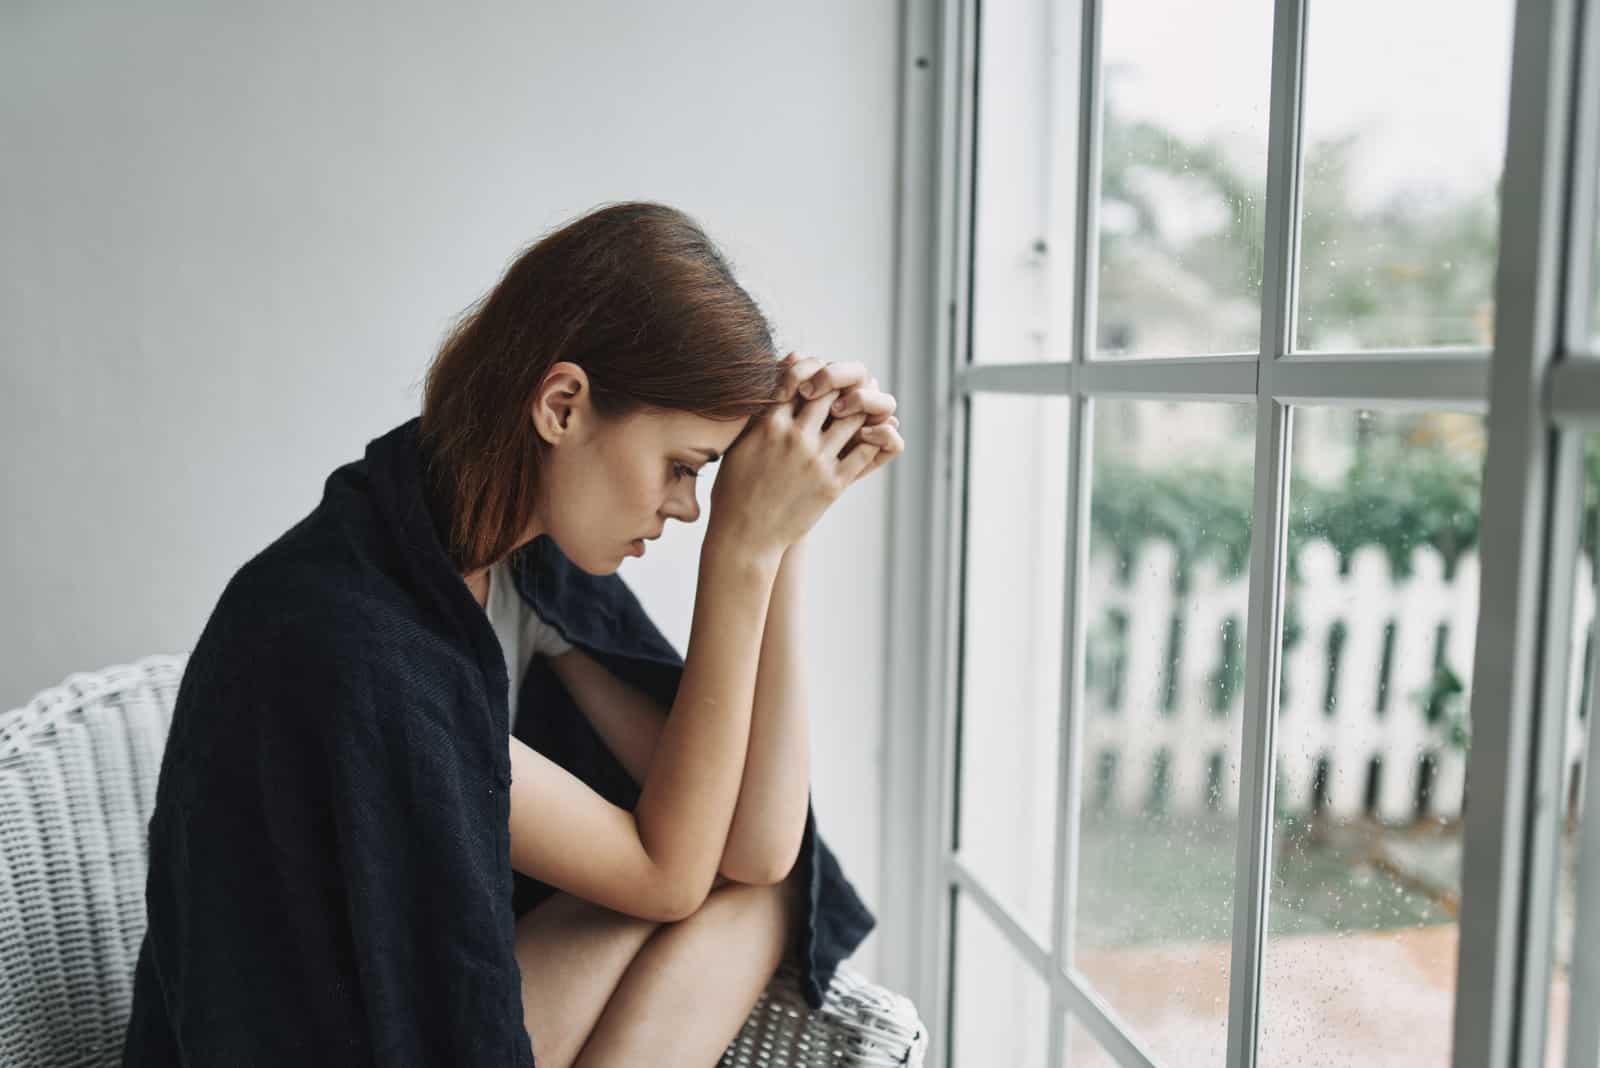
(1345, 753)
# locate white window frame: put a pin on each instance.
(1545, 384)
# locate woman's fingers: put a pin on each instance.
(867, 398)
(856, 461)
(842, 402)
(838, 433)
(858, 390)
(883, 434)
(875, 405)
(888, 442)
(830, 376)
(799, 370)
(812, 413)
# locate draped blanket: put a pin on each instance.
(329, 853)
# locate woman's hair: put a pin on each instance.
(638, 296)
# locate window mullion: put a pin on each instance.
(1252, 872)
(1069, 787)
(1080, 337)
(1500, 822)
(1581, 217)
(956, 60)
(1583, 1028)
(1540, 883)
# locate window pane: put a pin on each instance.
(1025, 175)
(1380, 613)
(1083, 1051)
(1011, 639)
(1405, 130)
(1165, 607)
(1580, 706)
(1002, 1006)
(1182, 176)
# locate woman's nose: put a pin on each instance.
(684, 505)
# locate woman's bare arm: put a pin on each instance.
(661, 859)
(627, 719)
(769, 819)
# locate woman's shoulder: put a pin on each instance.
(282, 613)
(340, 666)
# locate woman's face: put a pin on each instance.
(608, 484)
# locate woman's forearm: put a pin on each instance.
(769, 817)
(769, 820)
(627, 719)
(687, 799)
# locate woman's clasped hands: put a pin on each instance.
(834, 426)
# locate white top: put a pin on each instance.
(509, 615)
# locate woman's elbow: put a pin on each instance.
(674, 899)
(769, 870)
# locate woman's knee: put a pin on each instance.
(761, 906)
(571, 954)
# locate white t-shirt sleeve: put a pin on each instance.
(519, 629)
(503, 607)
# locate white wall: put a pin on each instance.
(234, 234)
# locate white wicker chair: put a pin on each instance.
(78, 770)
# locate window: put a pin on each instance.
(1169, 545)
(1372, 735)
(1244, 307)
(1397, 246)
(1182, 176)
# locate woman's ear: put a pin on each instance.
(562, 395)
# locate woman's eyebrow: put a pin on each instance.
(711, 455)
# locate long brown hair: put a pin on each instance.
(637, 295)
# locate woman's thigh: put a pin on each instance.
(572, 953)
(694, 982)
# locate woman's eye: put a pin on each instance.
(680, 471)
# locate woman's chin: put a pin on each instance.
(602, 566)
(589, 562)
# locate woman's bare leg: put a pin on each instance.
(571, 953)
(689, 989)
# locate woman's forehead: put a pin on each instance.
(692, 431)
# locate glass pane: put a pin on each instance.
(1182, 175)
(1011, 648)
(1405, 130)
(1380, 613)
(1580, 705)
(1002, 1006)
(1165, 606)
(1083, 1051)
(1025, 173)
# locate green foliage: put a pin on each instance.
(1444, 706)
(1198, 511)
(1396, 496)
(1396, 499)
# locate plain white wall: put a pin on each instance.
(234, 234)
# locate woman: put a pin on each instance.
(385, 833)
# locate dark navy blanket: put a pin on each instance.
(330, 878)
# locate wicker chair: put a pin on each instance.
(78, 770)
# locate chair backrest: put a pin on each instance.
(78, 771)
